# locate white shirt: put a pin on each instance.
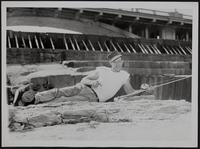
(110, 82)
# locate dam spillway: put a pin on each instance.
(147, 60)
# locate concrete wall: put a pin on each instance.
(31, 56)
(168, 33)
(134, 63)
(84, 27)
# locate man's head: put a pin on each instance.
(115, 60)
(28, 97)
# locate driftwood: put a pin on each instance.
(68, 112)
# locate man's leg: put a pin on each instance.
(88, 95)
(52, 94)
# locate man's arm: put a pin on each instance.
(132, 92)
(91, 79)
(129, 90)
(128, 87)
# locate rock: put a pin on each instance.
(45, 119)
(93, 124)
(78, 114)
(16, 127)
(85, 69)
(142, 110)
(101, 117)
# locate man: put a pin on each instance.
(99, 86)
(106, 82)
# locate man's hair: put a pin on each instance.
(113, 56)
(28, 96)
(35, 86)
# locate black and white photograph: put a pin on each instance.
(99, 74)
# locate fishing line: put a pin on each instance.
(168, 81)
(173, 81)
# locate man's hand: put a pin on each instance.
(147, 88)
(118, 99)
(144, 86)
(96, 83)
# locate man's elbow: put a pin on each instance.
(86, 81)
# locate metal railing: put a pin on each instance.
(161, 13)
(87, 43)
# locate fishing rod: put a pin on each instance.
(151, 87)
(162, 81)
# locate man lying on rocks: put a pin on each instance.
(99, 86)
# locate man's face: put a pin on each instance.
(117, 64)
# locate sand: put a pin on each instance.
(176, 129)
(176, 132)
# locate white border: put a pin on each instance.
(100, 4)
(165, 5)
